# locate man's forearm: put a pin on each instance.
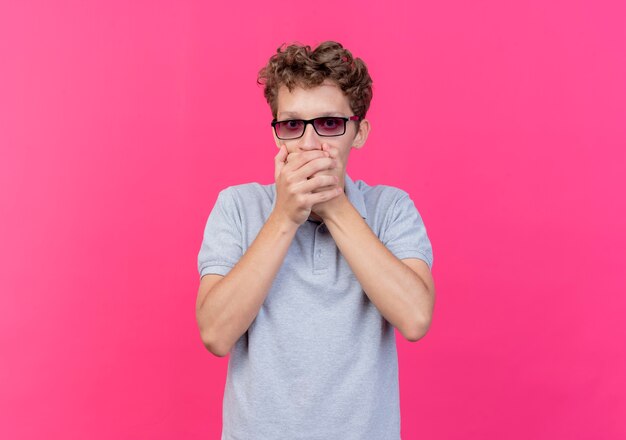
(396, 290)
(233, 303)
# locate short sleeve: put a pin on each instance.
(405, 233)
(221, 245)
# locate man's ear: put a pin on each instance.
(361, 136)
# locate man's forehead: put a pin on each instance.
(317, 101)
(300, 85)
(295, 114)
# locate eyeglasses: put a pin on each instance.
(324, 126)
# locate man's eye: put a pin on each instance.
(330, 123)
(292, 125)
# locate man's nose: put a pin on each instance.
(310, 139)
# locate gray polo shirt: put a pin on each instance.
(319, 361)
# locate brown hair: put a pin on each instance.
(299, 66)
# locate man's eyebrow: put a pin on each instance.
(296, 115)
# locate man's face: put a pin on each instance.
(324, 100)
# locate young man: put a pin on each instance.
(303, 281)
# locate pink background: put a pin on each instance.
(120, 122)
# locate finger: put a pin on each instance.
(332, 151)
(279, 161)
(297, 160)
(314, 166)
(319, 183)
(322, 196)
(306, 156)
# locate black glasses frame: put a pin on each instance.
(312, 122)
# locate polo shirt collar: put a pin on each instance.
(352, 191)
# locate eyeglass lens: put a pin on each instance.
(326, 126)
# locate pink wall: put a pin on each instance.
(506, 124)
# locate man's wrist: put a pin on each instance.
(284, 224)
(335, 206)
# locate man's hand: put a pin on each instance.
(300, 185)
(322, 208)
